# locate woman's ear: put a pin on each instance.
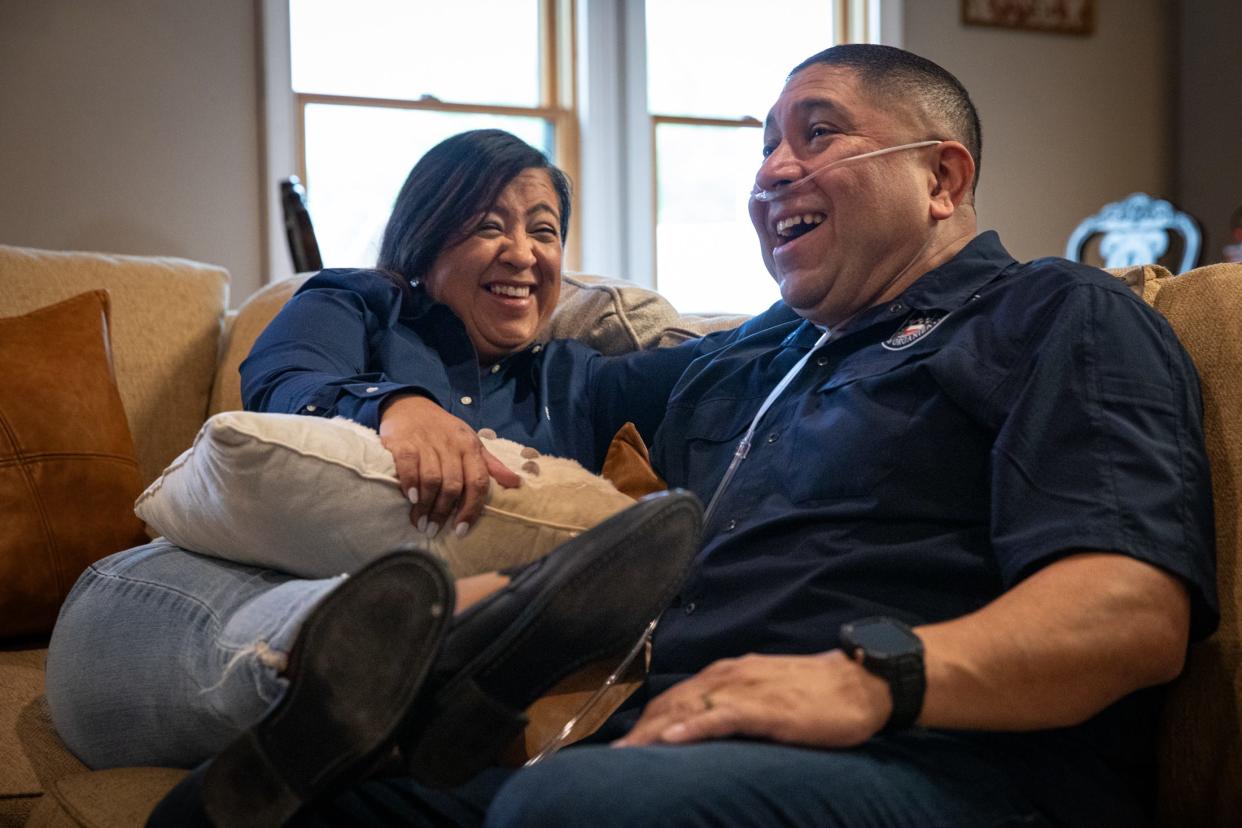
(953, 179)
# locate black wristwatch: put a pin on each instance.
(892, 651)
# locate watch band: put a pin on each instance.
(900, 666)
(907, 682)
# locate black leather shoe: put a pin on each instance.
(589, 598)
(359, 662)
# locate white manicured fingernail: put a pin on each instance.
(433, 529)
(422, 524)
(412, 494)
(461, 529)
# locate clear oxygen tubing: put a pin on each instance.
(772, 195)
(743, 447)
(558, 741)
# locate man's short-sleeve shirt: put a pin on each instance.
(994, 417)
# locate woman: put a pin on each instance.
(162, 657)
(447, 337)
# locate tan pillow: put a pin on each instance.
(613, 316)
(1144, 280)
(315, 498)
(67, 468)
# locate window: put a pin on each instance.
(713, 69)
(653, 107)
(377, 83)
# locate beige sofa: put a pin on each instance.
(176, 351)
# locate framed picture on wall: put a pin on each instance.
(1059, 16)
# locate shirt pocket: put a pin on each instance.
(849, 433)
(711, 433)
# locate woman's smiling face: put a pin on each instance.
(504, 279)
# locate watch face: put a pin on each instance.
(882, 637)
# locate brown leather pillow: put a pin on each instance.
(68, 475)
(628, 465)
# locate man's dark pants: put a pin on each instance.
(919, 778)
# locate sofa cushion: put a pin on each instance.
(117, 798)
(68, 475)
(21, 682)
(165, 333)
(317, 497)
(1201, 729)
(252, 317)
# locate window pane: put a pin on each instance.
(483, 51)
(729, 58)
(707, 254)
(357, 158)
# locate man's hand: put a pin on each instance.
(442, 465)
(1056, 649)
(826, 700)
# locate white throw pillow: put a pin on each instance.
(315, 498)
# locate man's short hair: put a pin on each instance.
(893, 72)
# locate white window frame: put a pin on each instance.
(615, 191)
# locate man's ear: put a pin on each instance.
(953, 178)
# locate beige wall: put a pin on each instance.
(1069, 123)
(131, 126)
(1208, 134)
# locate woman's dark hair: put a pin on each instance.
(457, 180)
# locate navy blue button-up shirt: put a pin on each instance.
(995, 417)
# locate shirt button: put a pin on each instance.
(730, 526)
(896, 307)
(312, 408)
(536, 349)
(773, 437)
(822, 361)
(467, 400)
(690, 607)
(496, 368)
(372, 389)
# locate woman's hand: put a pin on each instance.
(442, 465)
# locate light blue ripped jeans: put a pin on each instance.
(161, 656)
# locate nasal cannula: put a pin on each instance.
(772, 195)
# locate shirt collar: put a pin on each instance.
(955, 282)
(418, 303)
(945, 288)
(420, 307)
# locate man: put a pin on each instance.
(967, 529)
(1003, 461)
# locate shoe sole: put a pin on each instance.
(468, 722)
(342, 707)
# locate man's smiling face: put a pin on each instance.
(835, 244)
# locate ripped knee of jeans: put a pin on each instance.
(261, 652)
